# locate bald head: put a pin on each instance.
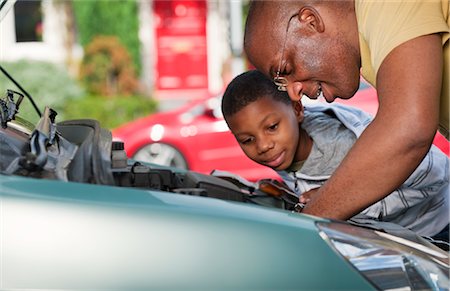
(263, 15)
(266, 20)
(264, 30)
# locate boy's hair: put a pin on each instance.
(249, 87)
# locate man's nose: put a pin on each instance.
(295, 90)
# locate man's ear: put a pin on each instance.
(311, 18)
(299, 110)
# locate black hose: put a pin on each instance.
(21, 89)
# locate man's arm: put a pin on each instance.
(393, 145)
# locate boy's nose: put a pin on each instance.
(264, 146)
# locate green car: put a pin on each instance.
(77, 214)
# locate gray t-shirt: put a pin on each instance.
(332, 141)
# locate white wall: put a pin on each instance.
(50, 49)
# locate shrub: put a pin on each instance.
(111, 112)
(49, 85)
(118, 18)
(107, 68)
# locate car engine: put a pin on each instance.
(82, 151)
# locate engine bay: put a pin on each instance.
(84, 152)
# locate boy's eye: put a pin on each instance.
(273, 127)
(246, 141)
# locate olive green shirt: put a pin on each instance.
(384, 25)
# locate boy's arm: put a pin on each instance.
(394, 144)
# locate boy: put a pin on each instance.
(306, 145)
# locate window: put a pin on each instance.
(28, 20)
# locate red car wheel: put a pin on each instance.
(161, 154)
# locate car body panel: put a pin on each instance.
(65, 235)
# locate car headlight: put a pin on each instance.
(388, 262)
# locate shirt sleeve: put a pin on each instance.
(426, 186)
(385, 25)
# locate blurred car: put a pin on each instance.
(196, 137)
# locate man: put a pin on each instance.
(305, 145)
(318, 48)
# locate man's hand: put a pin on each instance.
(307, 196)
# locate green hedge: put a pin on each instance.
(118, 18)
(49, 85)
(107, 68)
(111, 111)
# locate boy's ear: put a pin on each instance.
(299, 110)
(311, 19)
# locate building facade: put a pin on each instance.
(189, 49)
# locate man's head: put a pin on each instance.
(313, 45)
(264, 120)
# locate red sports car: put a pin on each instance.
(196, 137)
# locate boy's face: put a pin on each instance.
(268, 132)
